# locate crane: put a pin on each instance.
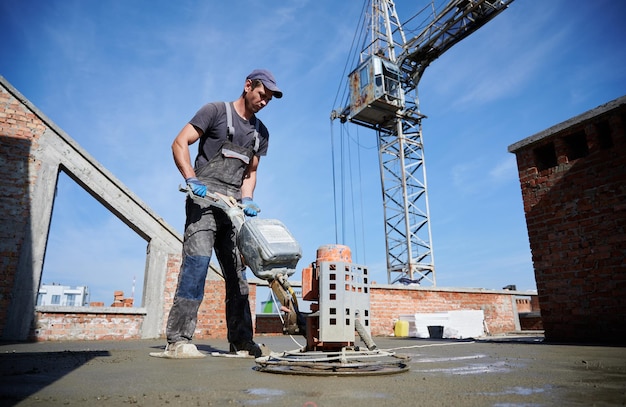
(383, 97)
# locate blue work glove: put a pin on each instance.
(249, 207)
(197, 187)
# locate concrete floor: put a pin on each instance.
(503, 371)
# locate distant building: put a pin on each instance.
(63, 295)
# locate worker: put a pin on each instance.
(232, 140)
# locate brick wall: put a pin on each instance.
(531, 322)
(212, 311)
(388, 303)
(268, 324)
(523, 305)
(573, 186)
(116, 325)
(20, 130)
(65, 325)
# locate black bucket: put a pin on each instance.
(435, 331)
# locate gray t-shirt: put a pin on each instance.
(211, 119)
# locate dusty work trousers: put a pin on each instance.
(209, 228)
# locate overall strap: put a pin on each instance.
(229, 121)
(231, 128)
(256, 134)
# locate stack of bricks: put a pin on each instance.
(120, 301)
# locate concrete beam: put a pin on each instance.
(55, 151)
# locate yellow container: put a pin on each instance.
(401, 329)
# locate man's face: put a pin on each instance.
(257, 98)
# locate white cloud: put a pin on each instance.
(505, 170)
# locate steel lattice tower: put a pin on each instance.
(383, 97)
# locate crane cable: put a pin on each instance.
(342, 86)
(340, 201)
(343, 174)
(351, 56)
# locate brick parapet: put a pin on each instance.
(55, 326)
(575, 207)
(20, 131)
(389, 303)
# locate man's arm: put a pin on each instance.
(249, 178)
(180, 149)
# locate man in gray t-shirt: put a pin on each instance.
(227, 162)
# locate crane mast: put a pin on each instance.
(383, 97)
(385, 30)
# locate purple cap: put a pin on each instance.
(268, 80)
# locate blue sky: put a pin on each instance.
(122, 78)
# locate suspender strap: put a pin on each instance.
(229, 121)
(256, 134)
(231, 128)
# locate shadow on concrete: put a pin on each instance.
(448, 372)
(25, 373)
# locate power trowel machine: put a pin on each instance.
(268, 249)
(338, 288)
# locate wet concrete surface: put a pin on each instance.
(504, 371)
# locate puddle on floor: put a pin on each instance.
(266, 392)
(518, 391)
(266, 396)
(449, 359)
(473, 368)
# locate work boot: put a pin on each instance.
(252, 348)
(179, 350)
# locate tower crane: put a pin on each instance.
(383, 97)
